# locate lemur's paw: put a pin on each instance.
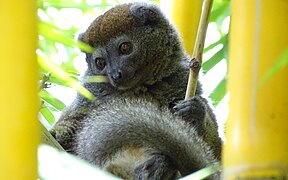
(192, 110)
(157, 168)
(62, 135)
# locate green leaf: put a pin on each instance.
(47, 97)
(281, 62)
(222, 40)
(69, 66)
(55, 36)
(50, 66)
(47, 114)
(216, 58)
(70, 32)
(219, 12)
(48, 47)
(225, 48)
(219, 92)
(55, 80)
(155, 1)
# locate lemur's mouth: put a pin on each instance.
(124, 83)
(120, 86)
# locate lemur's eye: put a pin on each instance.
(125, 48)
(100, 63)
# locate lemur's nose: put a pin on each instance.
(116, 76)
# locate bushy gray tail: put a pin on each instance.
(135, 123)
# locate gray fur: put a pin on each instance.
(155, 73)
(134, 123)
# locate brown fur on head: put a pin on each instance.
(154, 46)
(118, 20)
(110, 24)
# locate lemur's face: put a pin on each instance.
(131, 59)
(119, 60)
(132, 54)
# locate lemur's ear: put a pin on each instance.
(81, 37)
(145, 14)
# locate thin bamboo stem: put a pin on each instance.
(196, 61)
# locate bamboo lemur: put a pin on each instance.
(140, 112)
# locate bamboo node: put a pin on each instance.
(194, 63)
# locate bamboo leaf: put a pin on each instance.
(216, 58)
(47, 114)
(50, 66)
(225, 48)
(56, 103)
(52, 26)
(54, 35)
(222, 40)
(219, 92)
(219, 12)
(55, 80)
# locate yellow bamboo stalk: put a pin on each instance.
(186, 16)
(257, 128)
(18, 93)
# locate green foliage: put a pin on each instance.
(218, 56)
(60, 74)
(220, 11)
(50, 53)
(54, 34)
